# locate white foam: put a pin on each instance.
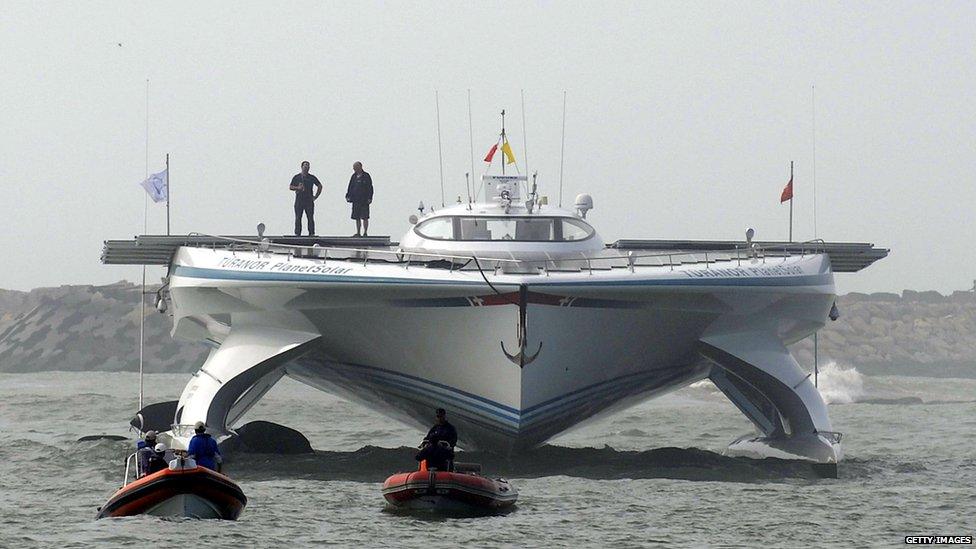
(840, 385)
(703, 384)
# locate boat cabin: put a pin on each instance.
(504, 225)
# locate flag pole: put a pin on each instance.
(503, 141)
(169, 191)
(791, 202)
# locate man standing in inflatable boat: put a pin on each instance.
(203, 448)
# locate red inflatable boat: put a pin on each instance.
(182, 491)
(461, 490)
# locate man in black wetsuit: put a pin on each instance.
(304, 199)
(438, 446)
(359, 193)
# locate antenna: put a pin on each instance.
(471, 138)
(525, 141)
(440, 154)
(562, 152)
(813, 116)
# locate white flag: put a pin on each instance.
(157, 186)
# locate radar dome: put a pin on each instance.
(584, 203)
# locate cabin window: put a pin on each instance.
(439, 228)
(520, 229)
(574, 229)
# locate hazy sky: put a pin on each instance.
(682, 120)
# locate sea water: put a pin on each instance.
(648, 475)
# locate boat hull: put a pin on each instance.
(442, 491)
(515, 358)
(181, 493)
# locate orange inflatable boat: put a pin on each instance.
(462, 490)
(182, 490)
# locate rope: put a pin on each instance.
(490, 285)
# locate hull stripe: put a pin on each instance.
(400, 377)
(222, 274)
(514, 419)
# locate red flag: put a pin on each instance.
(491, 153)
(787, 192)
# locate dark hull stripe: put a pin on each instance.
(221, 274)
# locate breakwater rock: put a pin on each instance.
(88, 328)
(925, 333)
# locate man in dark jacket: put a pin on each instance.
(438, 446)
(145, 451)
(203, 448)
(302, 184)
(442, 430)
(360, 195)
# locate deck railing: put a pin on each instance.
(543, 265)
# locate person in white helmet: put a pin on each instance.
(158, 461)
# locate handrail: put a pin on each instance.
(125, 479)
(673, 258)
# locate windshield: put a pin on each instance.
(522, 229)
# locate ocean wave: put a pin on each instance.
(374, 464)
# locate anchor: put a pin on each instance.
(521, 358)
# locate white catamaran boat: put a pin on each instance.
(511, 313)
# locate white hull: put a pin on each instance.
(406, 340)
(186, 506)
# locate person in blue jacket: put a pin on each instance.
(203, 448)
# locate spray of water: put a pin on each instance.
(703, 384)
(840, 385)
